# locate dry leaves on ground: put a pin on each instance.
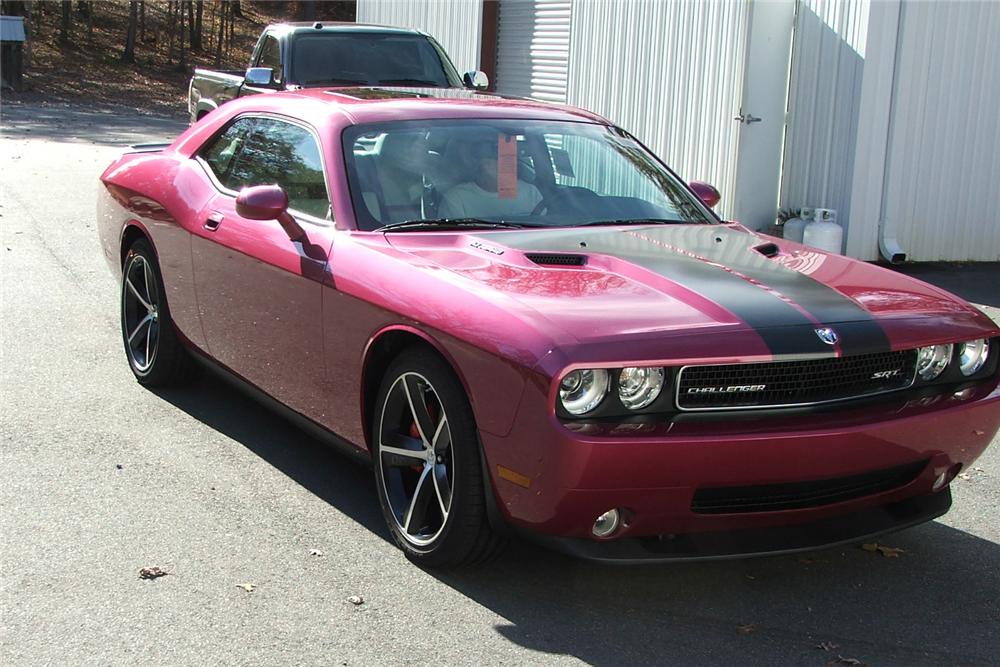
(841, 660)
(356, 600)
(249, 588)
(152, 573)
(888, 552)
(746, 629)
(828, 646)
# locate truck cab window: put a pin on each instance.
(270, 56)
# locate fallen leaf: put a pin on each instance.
(249, 588)
(746, 629)
(315, 552)
(828, 646)
(888, 552)
(841, 660)
(152, 573)
(356, 600)
(964, 475)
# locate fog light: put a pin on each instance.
(607, 523)
(945, 477)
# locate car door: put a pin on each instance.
(259, 293)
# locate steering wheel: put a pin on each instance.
(550, 199)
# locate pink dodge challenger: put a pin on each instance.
(528, 324)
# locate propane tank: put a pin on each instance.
(793, 229)
(824, 233)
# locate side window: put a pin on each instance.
(270, 56)
(286, 154)
(220, 153)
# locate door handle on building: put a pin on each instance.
(747, 118)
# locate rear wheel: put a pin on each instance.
(154, 352)
(426, 458)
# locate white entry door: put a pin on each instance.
(761, 116)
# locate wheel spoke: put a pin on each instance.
(418, 408)
(443, 490)
(418, 504)
(143, 322)
(396, 456)
(145, 275)
(442, 436)
(149, 335)
(138, 296)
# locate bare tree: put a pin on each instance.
(67, 21)
(133, 13)
(196, 43)
(221, 9)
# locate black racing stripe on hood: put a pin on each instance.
(783, 305)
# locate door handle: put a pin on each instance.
(747, 118)
(214, 220)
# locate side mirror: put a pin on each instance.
(268, 202)
(260, 76)
(476, 80)
(706, 193)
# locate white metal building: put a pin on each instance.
(882, 110)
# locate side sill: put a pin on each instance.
(297, 419)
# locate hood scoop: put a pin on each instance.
(767, 249)
(556, 259)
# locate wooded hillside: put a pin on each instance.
(140, 53)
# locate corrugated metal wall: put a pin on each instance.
(669, 72)
(824, 96)
(456, 24)
(533, 48)
(941, 196)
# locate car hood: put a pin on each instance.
(647, 281)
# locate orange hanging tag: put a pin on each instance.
(507, 167)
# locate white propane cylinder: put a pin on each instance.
(793, 229)
(824, 233)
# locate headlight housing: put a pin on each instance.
(972, 355)
(582, 390)
(639, 386)
(932, 360)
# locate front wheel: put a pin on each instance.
(427, 465)
(155, 354)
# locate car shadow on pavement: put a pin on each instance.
(330, 475)
(934, 603)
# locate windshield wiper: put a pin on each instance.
(455, 223)
(409, 82)
(633, 221)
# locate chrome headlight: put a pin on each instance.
(638, 387)
(932, 360)
(583, 390)
(972, 355)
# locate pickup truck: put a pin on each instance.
(289, 56)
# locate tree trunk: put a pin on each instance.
(142, 20)
(129, 55)
(90, 20)
(28, 39)
(182, 65)
(200, 10)
(171, 19)
(67, 19)
(235, 10)
(221, 8)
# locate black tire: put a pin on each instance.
(154, 352)
(438, 481)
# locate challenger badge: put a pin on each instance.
(827, 335)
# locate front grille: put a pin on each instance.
(800, 495)
(791, 383)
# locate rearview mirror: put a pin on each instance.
(259, 76)
(476, 80)
(268, 202)
(706, 193)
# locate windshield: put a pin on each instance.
(526, 173)
(369, 59)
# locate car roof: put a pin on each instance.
(338, 26)
(373, 104)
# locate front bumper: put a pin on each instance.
(552, 480)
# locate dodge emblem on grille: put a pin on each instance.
(827, 335)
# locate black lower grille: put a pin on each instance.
(800, 495)
(789, 383)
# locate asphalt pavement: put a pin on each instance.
(265, 535)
